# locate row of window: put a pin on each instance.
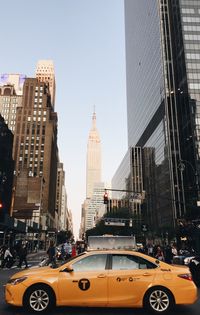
(192, 56)
(7, 110)
(12, 119)
(192, 36)
(189, 2)
(36, 119)
(187, 11)
(40, 94)
(189, 19)
(194, 76)
(36, 105)
(194, 86)
(193, 46)
(193, 65)
(192, 28)
(6, 105)
(40, 112)
(41, 88)
(40, 100)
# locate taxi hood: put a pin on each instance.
(32, 271)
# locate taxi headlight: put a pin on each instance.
(16, 280)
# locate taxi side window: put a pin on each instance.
(130, 262)
(91, 263)
(124, 262)
(145, 264)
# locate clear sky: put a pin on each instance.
(85, 40)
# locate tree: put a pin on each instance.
(121, 213)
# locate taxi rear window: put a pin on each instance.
(130, 262)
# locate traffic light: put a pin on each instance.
(1, 211)
(105, 198)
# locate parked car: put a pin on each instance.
(103, 278)
(194, 266)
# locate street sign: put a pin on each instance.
(115, 222)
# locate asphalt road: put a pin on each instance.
(33, 260)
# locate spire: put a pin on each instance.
(94, 119)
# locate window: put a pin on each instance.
(194, 86)
(192, 36)
(91, 263)
(128, 262)
(189, 11)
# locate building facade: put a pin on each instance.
(11, 88)
(45, 73)
(95, 206)
(36, 155)
(6, 169)
(162, 68)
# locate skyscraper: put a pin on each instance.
(93, 167)
(45, 73)
(163, 101)
(36, 155)
(94, 186)
(11, 88)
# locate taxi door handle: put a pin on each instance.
(101, 275)
(146, 274)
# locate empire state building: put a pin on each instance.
(93, 167)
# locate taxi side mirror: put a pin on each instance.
(69, 268)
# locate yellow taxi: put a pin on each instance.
(107, 278)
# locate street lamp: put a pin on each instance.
(181, 166)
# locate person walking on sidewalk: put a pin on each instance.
(8, 258)
(22, 255)
(52, 254)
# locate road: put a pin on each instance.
(34, 259)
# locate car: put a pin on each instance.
(103, 278)
(194, 266)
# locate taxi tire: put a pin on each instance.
(49, 292)
(152, 292)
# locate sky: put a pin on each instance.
(85, 40)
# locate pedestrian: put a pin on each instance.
(149, 249)
(52, 254)
(73, 250)
(159, 254)
(168, 254)
(2, 251)
(22, 255)
(8, 258)
(62, 252)
(174, 250)
(194, 267)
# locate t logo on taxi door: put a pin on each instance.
(84, 284)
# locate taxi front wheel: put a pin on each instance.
(159, 300)
(39, 298)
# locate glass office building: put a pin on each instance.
(163, 91)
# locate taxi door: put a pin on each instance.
(87, 284)
(128, 279)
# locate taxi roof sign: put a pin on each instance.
(111, 242)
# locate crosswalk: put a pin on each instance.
(32, 263)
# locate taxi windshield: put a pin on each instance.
(68, 260)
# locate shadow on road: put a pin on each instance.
(179, 310)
